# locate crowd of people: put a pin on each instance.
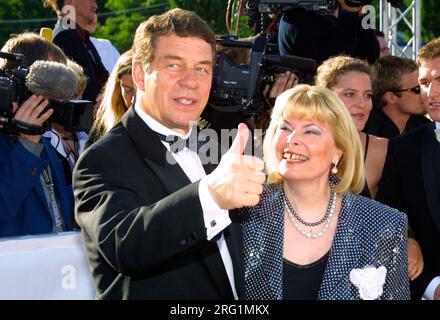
(344, 205)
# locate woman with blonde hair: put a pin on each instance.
(118, 96)
(311, 236)
(350, 79)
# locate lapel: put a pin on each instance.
(173, 178)
(347, 247)
(234, 240)
(154, 153)
(211, 257)
(430, 158)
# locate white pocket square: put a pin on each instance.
(369, 281)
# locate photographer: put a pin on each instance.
(69, 143)
(307, 34)
(34, 196)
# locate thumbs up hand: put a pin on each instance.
(238, 180)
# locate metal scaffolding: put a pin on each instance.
(390, 18)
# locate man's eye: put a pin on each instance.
(202, 70)
(173, 66)
(349, 94)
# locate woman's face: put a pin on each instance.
(127, 88)
(354, 89)
(305, 150)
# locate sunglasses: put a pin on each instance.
(415, 90)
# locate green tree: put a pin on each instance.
(120, 22)
(122, 18)
(19, 15)
(430, 16)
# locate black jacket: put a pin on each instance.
(411, 183)
(308, 34)
(84, 53)
(379, 124)
(142, 222)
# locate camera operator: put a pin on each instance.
(308, 34)
(34, 196)
(69, 143)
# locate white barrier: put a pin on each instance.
(44, 267)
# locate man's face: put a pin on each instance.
(429, 80)
(85, 11)
(410, 102)
(174, 87)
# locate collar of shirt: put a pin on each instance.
(437, 124)
(83, 34)
(55, 140)
(157, 126)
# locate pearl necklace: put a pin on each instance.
(293, 215)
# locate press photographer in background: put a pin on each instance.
(34, 195)
(307, 33)
(248, 76)
(68, 142)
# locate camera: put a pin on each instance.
(73, 115)
(318, 6)
(239, 87)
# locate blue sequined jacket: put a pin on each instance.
(367, 234)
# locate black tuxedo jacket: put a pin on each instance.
(86, 55)
(379, 124)
(411, 183)
(142, 222)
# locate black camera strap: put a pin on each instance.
(55, 207)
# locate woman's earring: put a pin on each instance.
(334, 170)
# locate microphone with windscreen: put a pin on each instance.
(53, 80)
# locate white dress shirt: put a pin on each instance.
(215, 218)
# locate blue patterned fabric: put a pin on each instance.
(367, 234)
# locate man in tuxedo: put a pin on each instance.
(411, 176)
(155, 225)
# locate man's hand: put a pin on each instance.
(415, 259)
(31, 112)
(238, 180)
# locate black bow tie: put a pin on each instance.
(177, 143)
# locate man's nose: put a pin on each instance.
(189, 78)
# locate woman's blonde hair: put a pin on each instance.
(81, 80)
(112, 106)
(322, 105)
(330, 71)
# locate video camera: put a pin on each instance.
(238, 87)
(319, 6)
(73, 115)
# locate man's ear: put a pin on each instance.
(138, 75)
(389, 97)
